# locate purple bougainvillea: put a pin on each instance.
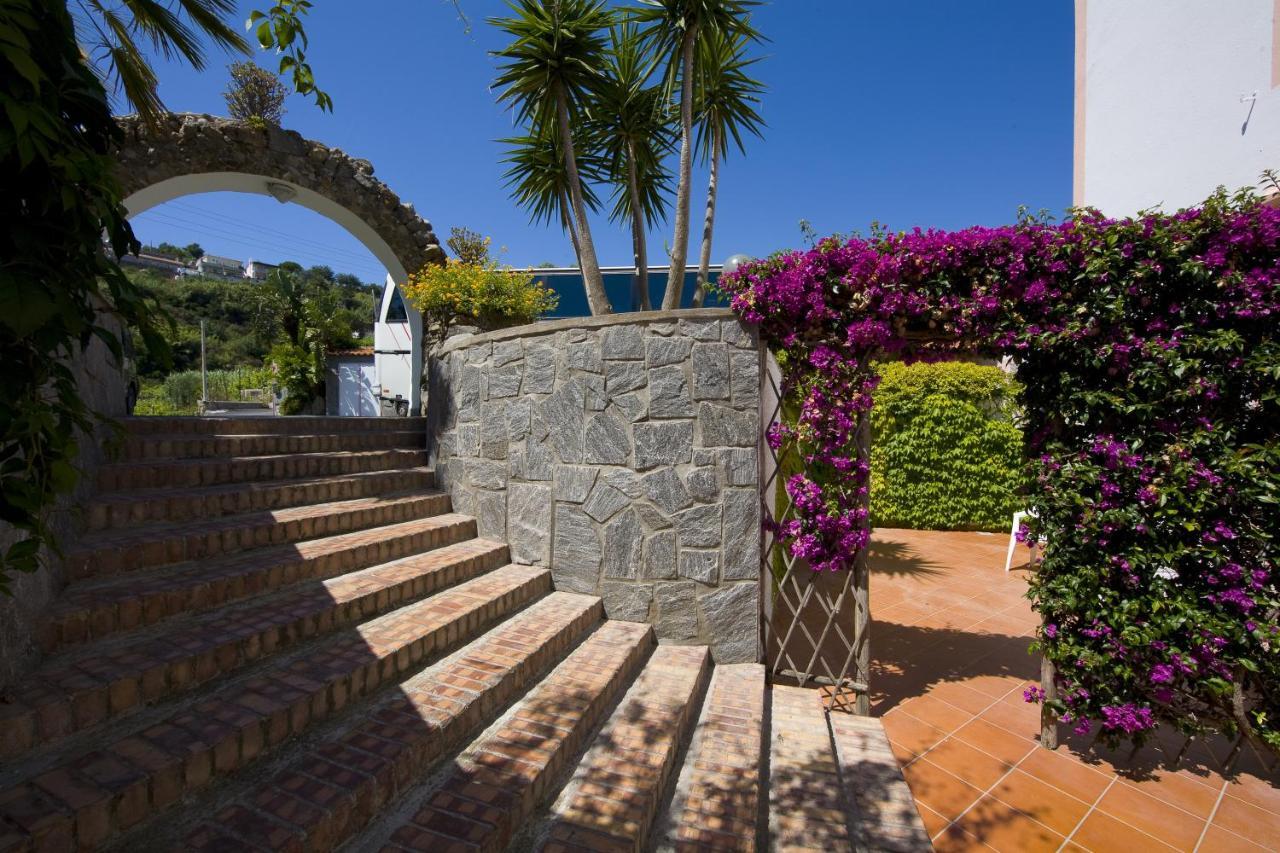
(1146, 347)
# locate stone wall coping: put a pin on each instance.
(548, 327)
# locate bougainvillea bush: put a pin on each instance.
(1147, 352)
(945, 451)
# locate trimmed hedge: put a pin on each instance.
(945, 452)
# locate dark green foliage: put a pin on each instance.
(945, 453)
(57, 200)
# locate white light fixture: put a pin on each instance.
(732, 263)
(282, 193)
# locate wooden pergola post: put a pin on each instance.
(861, 580)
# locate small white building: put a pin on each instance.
(351, 388)
(213, 266)
(1172, 99)
(259, 270)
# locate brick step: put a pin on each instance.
(186, 473)
(149, 447)
(885, 814)
(291, 425)
(117, 551)
(96, 609)
(806, 803)
(73, 692)
(495, 785)
(717, 798)
(160, 506)
(619, 787)
(331, 787)
(84, 799)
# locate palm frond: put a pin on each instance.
(537, 179)
(727, 97)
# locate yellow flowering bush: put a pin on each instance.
(477, 292)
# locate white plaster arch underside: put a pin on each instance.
(208, 182)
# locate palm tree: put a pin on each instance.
(727, 101)
(673, 29)
(629, 128)
(551, 70)
(110, 36)
(539, 182)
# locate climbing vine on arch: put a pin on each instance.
(1147, 352)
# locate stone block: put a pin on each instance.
(703, 484)
(529, 509)
(575, 553)
(630, 406)
(468, 440)
(493, 431)
(698, 565)
(505, 381)
(741, 534)
(699, 526)
(700, 330)
(539, 461)
(710, 372)
(662, 443)
(505, 352)
(736, 334)
(744, 369)
(486, 473)
(669, 393)
(665, 329)
(663, 351)
(604, 502)
(677, 617)
(585, 357)
(652, 517)
(624, 480)
(722, 426)
(732, 617)
(565, 417)
(606, 440)
(518, 419)
(664, 488)
(539, 370)
(622, 342)
(660, 555)
(491, 515)
(622, 546)
(740, 466)
(624, 376)
(574, 482)
(628, 602)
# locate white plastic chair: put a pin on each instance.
(1013, 539)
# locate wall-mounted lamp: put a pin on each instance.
(282, 193)
(732, 263)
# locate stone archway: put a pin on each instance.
(192, 153)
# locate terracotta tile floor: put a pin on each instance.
(950, 638)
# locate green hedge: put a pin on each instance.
(945, 452)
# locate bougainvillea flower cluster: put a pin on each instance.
(1146, 348)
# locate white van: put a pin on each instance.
(397, 354)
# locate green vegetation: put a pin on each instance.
(945, 452)
(255, 95)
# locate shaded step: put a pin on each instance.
(163, 446)
(117, 551)
(806, 804)
(114, 788)
(71, 693)
(186, 473)
(502, 778)
(717, 800)
(294, 424)
(98, 608)
(158, 506)
(885, 816)
(336, 785)
(621, 783)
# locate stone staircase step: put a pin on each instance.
(806, 803)
(291, 425)
(334, 786)
(186, 473)
(118, 551)
(717, 800)
(111, 789)
(96, 609)
(618, 789)
(167, 447)
(503, 777)
(74, 692)
(171, 506)
(885, 816)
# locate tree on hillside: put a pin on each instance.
(194, 251)
(255, 95)
(548, 74)
(727, 101)
(675, 29)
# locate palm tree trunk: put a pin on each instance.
(680, 242)
(637, 230)
(709, 223)
(569, 229)
(592, 280)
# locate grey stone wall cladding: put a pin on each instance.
(623, 456)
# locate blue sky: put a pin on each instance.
(910, 113)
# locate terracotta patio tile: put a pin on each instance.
(1100, 833)
(1062, 771)
(912, 734)
(1006, 829)
(933, 822)
(962, 697)
(956, 840)
(993, 740)
(1247, 820)
(936, 712)
(968, 763)
(934, 787)
(1180, 789)
(1040, 800)
(1218, 840)
(1255, 791)
(994, 686)
(1170, 824)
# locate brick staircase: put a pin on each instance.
(277, 636)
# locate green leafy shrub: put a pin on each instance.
(945, 453)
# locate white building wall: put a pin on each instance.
(1159, 117)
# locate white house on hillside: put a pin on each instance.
(259, 270)
(1173, 98)
(216, 267)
